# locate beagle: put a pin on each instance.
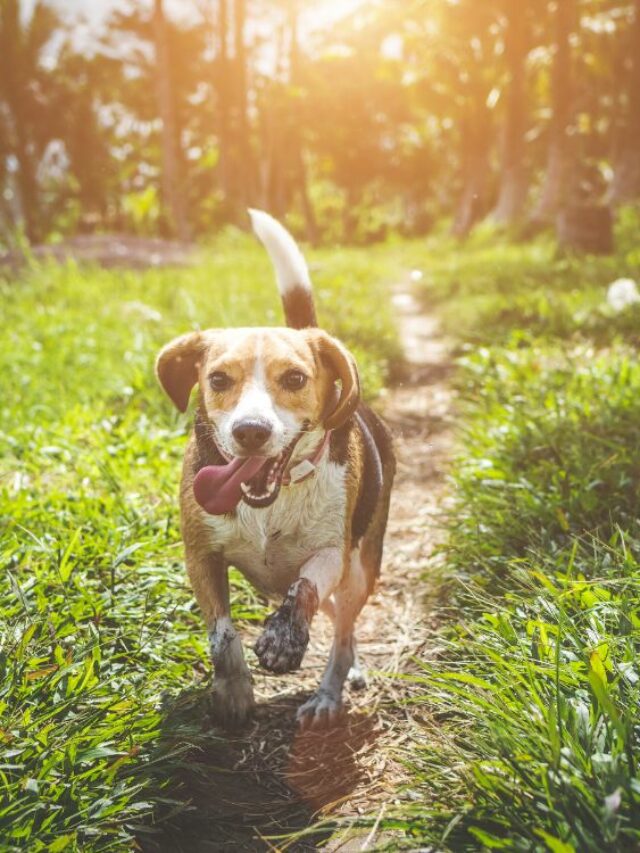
(287, 476)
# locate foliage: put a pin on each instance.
(535, 694)
(398, 114)
(500, 291)
(103, 657)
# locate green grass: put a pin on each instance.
(492, 291)
(536, 695)
(100, 639)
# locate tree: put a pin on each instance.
(245, 176)
(222, 88)
(236, 168)
(557, 182)
(513, 174)
(171, 179)
(25, 89)
(296, 131)
(626, 183)
(470, 52)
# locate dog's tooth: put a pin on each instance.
(245, 489)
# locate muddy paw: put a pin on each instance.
(281, 646)
(232, 702)
(322, 710)
(285, 638)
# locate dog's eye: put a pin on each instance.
(293, 380)
(220, 381)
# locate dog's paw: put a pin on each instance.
(232, 702)
(281, 646)
(285, 638)
(322, 710)
(357, 679)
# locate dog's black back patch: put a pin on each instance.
(378, 453)
(371, 481)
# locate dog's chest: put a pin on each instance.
(269, 546)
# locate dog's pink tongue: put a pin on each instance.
(217, 487)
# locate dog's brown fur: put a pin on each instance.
(358, 469)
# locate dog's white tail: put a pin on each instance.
(291, 268)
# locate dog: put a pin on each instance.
(287, 476)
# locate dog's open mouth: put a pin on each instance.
(263, 488)
(255, 480)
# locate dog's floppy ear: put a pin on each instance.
(343, 365)
(177, 367)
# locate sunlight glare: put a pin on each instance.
(329, 12)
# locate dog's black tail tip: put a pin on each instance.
(294, 282)
(299, 309)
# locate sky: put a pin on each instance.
(320, 14)
(87, 17)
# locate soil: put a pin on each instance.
(272, 780)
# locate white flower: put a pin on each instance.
(613, 801)
(621, 293)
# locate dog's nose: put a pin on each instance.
(252, 433)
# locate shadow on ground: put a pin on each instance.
(249, 790)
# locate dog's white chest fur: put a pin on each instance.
(270, 545)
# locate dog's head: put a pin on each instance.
(265, 392)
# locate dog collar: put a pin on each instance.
(220, 488)
(307, 467)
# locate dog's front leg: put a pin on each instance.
(282, 645)
(325, 705)
(232, 691)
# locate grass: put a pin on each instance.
(536, 694)
(100, 639)
(494, 292)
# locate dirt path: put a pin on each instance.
(274, 780)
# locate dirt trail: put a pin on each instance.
(273, 780)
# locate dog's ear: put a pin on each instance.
(177, 367)
(343, 366)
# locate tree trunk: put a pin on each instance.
(246, 182)
(557, 184)
(299, 163)
(27, 183)
(586, 228)
(626, 180)
(14, 87)
(225, 163)
(270, 133)
(513, 180)
(172, 197)
(472, 205)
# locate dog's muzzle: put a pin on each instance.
(256, 480)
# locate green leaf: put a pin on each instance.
(556, 845)
(489, 840)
